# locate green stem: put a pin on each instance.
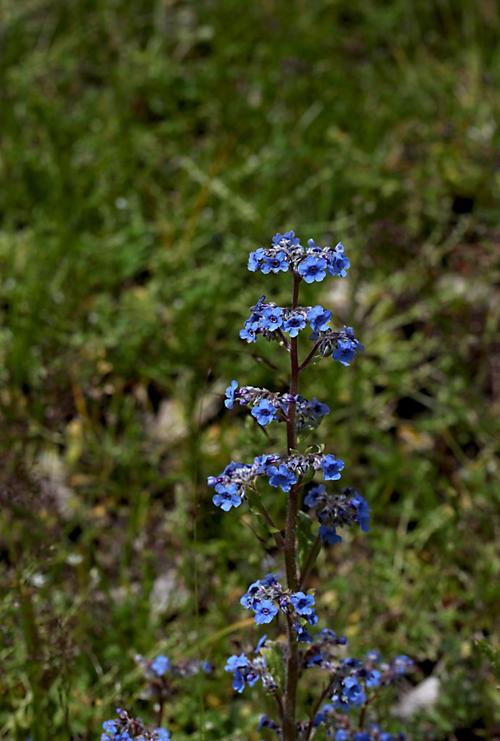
(290, 546)
(362, 713)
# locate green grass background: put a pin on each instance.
(145, 148)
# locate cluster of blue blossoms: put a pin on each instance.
(341, 730)
(274, 322)
(161, 668)
(338, 731)
(311, 263)
(248, 669)
(335, 510)
(281, 472)
(126, 728)
(160, 674)
(353, 682)
(270, 407)
(266, 597)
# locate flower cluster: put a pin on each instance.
(160, 674)
(335, 510)
(125, 728)
(248, 670)
(281, 472)
(268, 407)
(274, 322)
(266, 318)
(340, 728)
(352, 685)
(266, 597)
(311, 263)
(342, 345)
(160, 667)
(323, 650)
(353, 676)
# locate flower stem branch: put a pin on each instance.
(310, 561)
(308, 359)
(326, 692)
(364, 709)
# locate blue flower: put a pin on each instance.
(303, 636)
(352, 691)
(275, 263)
(373, 656)
(294, 324)
(303, 603)
(338, 263)
(272, 319)
(227, 496)
(312, 268)
(318, 318)
(248, 332)
(261, 463)
(266, 722)
(231, 467)
(236, 662)
(318, 408)
(255, 259)
(261, 643)
(322, 716)
(254, 592)
(331, 467)
(341, 735)
(242, 672)
(264, 412)
(248, 598)
(373, 678)
(329, 535)
(286, 240)
(281, 476)
(264, 610)
(312, 618)
(345, 351)
(314, 659)
(363, 512)
(269, 580)
(239, 663)
(402, 664)
(160, 665)
(161, 734)
(110, 726)
(230, 391)
(351, 663)
(314, 495)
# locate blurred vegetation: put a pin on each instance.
(145, 148)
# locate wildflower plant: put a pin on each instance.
(350, 685)
(161, 676)
(126, 728)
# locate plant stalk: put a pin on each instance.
(292, 667)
